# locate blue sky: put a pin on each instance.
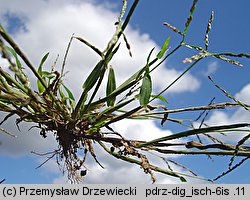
(41, 26)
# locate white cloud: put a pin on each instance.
(211, 68)
(140, 130)
(244, 94)
(48, 27)
(4, 63)
(186, 83)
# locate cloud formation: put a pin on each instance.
(211, 68)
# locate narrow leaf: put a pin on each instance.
(49, 75)
(111, 86)
(44, 74)
(109, 110)
(110, 56)
(149, 55)
(40, 86)
(63, 97)
(145, 91)
(163, 48)
(162, 98)
(41, 63)
(127, 44)
(148, 60)
(130, 82)
(90, 45)
(93, 77)
(4, 107)
(70, 94)
(18, 63)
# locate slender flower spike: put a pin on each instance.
(172, 28)
(209, 26)
(190, 18)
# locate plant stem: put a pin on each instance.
(194, 132)
(215, 153)
(208, 107)
(132, 160)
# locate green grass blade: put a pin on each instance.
(62, 95)
(110, 56)
(19, 74)
(18, 63)
(4, 107)
(110, 110)
(134, 77)
(39, 71)
(104, 64)
(49, 75)
(12, 81)
(88, 85)
(130, 82)
(160, 97)
(70, 94)
(145, 91)
(111, 86)
(93, 77)
(90, 45)
(163, 48)
(40, 86)
(101, 71)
